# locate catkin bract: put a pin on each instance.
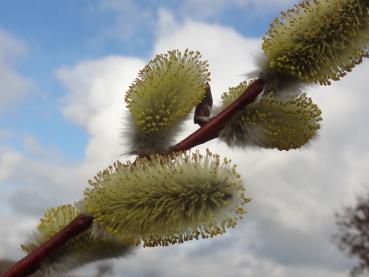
(318, 40)
(167, 199)
(166, 90)
(284, 123)
(78, 251)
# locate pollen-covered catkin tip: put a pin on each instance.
(166, 90)
(170, 199)
(78, 251)
(318, 40)
(282, 122)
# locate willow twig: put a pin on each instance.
(208, 131)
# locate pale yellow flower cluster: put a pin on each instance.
(164, 93)
(319, 40)
(163, 200)
(281, 122)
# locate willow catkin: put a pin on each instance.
(166, 90)
(167, 199)
(78, 251)
(318, 40)
(272, 122)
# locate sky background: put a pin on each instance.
(63, 73)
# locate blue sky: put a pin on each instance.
(64, 68)
(57, 35)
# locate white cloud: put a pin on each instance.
(14, 228)
(137, 22)
(30, 183)
(8, 160)
(131, 13)
(127, 19)
(11, 48)
(205, 9)
(14, 87)
(96, 102)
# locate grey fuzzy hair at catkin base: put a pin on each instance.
(55, 268)
(278, 83)
(140, 143)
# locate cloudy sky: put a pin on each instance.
(63, 73)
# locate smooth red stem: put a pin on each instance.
(31, 262)
(211, 129)
(208, 131)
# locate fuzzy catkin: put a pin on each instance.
(78, 251)
(284, 123)
(167, 199)
(317, 41)
(166, 90)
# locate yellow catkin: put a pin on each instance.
(80, 250)
(163, 200)
(319, 40)
(272, 122)
(167, 88)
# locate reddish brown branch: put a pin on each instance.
(31, 263)
(211, 129)
(208, 131)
